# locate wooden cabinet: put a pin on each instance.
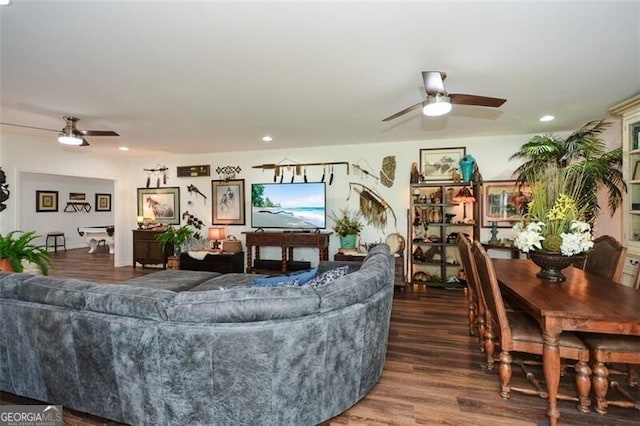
(146, 249)
(399, 265)
(434, 221)
(630, 112)
(225, 263)
(287, 241)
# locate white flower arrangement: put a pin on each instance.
(554, 223)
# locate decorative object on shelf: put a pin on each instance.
(415, 174)
(388, 170)
(347, 225)
(449, 217)
(467, 166)
(555, 223)
(46, 201)
(231, 244)
(228, 207)
(216, 233)
(193, 171)
(17, 246)
(551, 265)
(157, 172)
(456, 176)
(103, 202)
(140, 220)
(396, 243)
(372, 206)
(494, 233)
(194, 189)
(504, 202)
(581, 149)
(159, 205)
(228, 172)
(438, 164)
(4, 190)
(418, 254)
(464, 196)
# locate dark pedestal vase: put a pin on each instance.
(551, 265)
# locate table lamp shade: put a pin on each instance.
(464, 196)
(216, 233)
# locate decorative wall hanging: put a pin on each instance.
(77, 206)
(361, 171)
(372, 206)
(287, 165)
(388, 170)
(193, 171)
(193, 189)
(46, 201)
(438, 164)
(103, 202)
(77, 196)
(157, 172)
(228, 172)
(227, 207)
(159, 205)
(193, 221)
(4, 190)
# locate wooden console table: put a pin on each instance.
(223, 262)
(287, 241)
(399, 280)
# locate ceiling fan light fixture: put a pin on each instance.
(70, 139)
(436, 105)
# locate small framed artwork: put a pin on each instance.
(46, 201)
(103, 203)
(193, 171)
(77, 196)
(504, 202)
(438, 164)
(160, 205)
(228, 202)
(636, 171)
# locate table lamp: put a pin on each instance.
(140, 221)
(464, 196)
(216, 234)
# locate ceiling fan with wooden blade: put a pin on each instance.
(438, 101)
(70, 134)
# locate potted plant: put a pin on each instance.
(175, 236)
(347, 225)
(17, 246)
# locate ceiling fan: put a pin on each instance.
(439, 102)
(70, 135)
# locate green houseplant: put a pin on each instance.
(17, 246)
(175, 236)
(347, 225)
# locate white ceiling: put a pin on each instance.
(212, 76)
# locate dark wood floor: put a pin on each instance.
(433, 374)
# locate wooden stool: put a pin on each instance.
(55, 235)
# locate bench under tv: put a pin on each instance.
(287, 241)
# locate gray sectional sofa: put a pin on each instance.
(197, 348)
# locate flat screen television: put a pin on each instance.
(299, 206)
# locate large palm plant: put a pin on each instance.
(584, 154)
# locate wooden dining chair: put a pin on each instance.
(515, 331)
(606, 258)
(475, 307)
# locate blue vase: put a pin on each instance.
(467, 165)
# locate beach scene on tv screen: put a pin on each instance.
(296, 205)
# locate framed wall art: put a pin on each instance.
(228, 202)
(438, 164)
(160, 205)
(46, 201)
(77, 196)
(103, 203)
(193, 171)
(504, 202)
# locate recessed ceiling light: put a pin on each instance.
(267, 138)
(5, 2)
(547, 118)
(123, 148)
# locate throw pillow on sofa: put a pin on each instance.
(328, 276)
(293, 280)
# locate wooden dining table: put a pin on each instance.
(584, 302)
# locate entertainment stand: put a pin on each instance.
(287, 241)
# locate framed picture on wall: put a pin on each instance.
(46, 201)
(227, 207)
(504, 202)
(160, 205)
(103, 202)
(438, 164)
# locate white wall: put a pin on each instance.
(21, 154)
